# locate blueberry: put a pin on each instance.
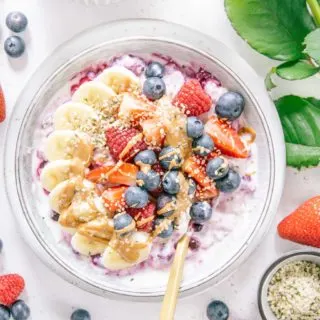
(16, 21)
(149, 180)
(171, 182)
(135, 197)
(194, 127)
(230, 182)
(154, 88)
(123, 222)
(200, 212)
(217, 310)
(217, 168)
(230, 105)
(203, 145)
(170, 158)
(80, 314)
(20, 311)
(168, 230)
(154, 69)
(1, 247)
(192, 187)
(145, 157)
(166, 205)
(14, 46)
(4, 312)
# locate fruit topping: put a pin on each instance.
(226, 138)
(230, 182)
(192, 99)
(14, 46)
(217, 168)
(114, 199)
(124, 143)
(154, 88)
(16, 21)
(192, 188)
(11, 286)
(203, 146)
(20, 310)
(136, 197)
(144, 217)
(153, 132)
(170, 158)
(230, 106)
(200, 212)
(146, 157)
(166, 227)
(195, 127)
(4, 312)
(154, 69)
(123, 223)
(217, 310)
(149, 180)
(80, 314)
(170, 182)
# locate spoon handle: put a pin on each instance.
(170, 298)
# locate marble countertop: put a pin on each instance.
(51, 22)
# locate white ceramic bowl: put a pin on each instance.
(139, 37)
(264, 308)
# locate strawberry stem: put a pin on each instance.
(315, 9)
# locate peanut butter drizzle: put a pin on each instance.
(100, 229)
(130, 145)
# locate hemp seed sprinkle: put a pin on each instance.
(294, 291)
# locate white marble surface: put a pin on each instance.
(51, 23)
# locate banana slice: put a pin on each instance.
(61, 196)
(60, 170)
(74, 116)
(68, 144)
(120, 79)
(95, 94)
(87, 246)
(112, 259)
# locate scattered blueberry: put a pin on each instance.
(217, 168)
(230, 182)
(170, 158)
(55, 216)
(171, 182)
(154, 88)
(230, 105)
(149, 180)
(122, 221)
(1, 247)
(16, 21)
(194, 127)
(166, 205)
(203, 145)
(200, 212)
(154, 69)
(135, 197)
(80, 314)
(145, 157)
(14, 46)
(217, 310)
(4, 312)
(20, 311)
(197, 227)
(192, 187)
(166, 233)
(194, 244)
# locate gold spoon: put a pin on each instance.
(170, 298)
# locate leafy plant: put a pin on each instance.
(287, 30)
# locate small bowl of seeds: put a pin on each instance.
(290, 288)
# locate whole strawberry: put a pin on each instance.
(303, 224)
(11, 286)
(2, 106)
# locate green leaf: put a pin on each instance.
(300, 118)
(296, 70)
(312, 43)
(268, 80)
(299, 156)
(275, 28)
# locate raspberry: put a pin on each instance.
(144, 217)
(117, 140)
(192, 99)
(11, 285)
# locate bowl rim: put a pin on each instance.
(271, 199)
(273, 268)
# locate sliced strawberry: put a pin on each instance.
(144, 217)
(153, 131)
(195, 168)
(192, 99)
(226, 138)
(203, 194)
(114, 199)
(121, 173)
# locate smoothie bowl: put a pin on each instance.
(130, 142)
